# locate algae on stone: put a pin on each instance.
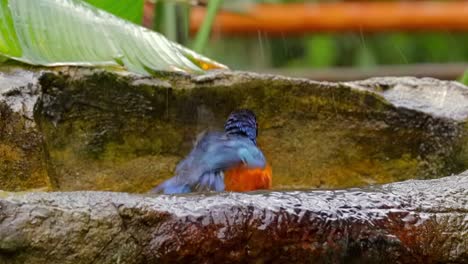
(22, 154)
(313, 134)
(120, 132)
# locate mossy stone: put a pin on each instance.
(112, 131)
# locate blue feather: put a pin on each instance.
(210, 181)
(242, 123)
(213, 153)
(172, 186)
(202, 169)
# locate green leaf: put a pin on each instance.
(72, 32)
(8, 38)
(131, 10)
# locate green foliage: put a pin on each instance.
(131, 10)
(321, 50)
(172, 18)
(8, 39)
(165, 19)
(340, 49)
(71, 32)
(395, 48)
(364, 57)
(464, 78)
(205, 29)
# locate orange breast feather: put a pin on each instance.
(242, 179)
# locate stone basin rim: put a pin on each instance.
(260, 193)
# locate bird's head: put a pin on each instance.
(242, 122)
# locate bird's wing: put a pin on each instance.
(210, 181)
(193, 167)
(193, 173)
(203, 168)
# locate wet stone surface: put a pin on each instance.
(408, 222)
(107, 131)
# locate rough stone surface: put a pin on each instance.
(409, 222)
(107, 131)
(22, 154)
(448, 100)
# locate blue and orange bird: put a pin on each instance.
(229, 161)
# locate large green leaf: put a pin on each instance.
(131, 10)
(72, 32)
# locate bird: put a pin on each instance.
(223, 161)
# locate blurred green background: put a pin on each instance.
(329, 56)
(339, 49)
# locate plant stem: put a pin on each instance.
(204, 32)
(165, 20)
(464, 78)
(183, 20)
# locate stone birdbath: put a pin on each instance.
(372, 171)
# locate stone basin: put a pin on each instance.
(79, 129)
(416, 221)
(88, 131)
